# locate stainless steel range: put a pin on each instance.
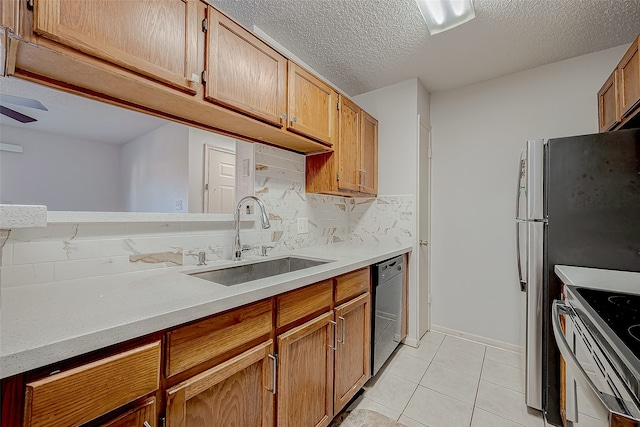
(601, 347)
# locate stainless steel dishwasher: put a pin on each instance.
(388, 277)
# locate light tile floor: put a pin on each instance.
(451, 382)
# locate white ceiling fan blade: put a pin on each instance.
(25, 102)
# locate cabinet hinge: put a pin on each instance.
(337, 177)
(30, 4)
(338, 106)
(205, 25)
(162, 422)
(203, 77)
(206, 187)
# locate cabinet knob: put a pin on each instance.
(293, 120)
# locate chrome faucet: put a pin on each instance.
(264, 219)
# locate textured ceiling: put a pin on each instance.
(362, 45)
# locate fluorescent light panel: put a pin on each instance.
(441, 15)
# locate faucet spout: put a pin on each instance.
(264, 219)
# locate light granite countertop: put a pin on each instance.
(46, 323)
(613, 280)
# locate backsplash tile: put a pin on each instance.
(69, 251)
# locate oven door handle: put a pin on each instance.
(607, 404)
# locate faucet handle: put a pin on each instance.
(202, 258)
(264, 249)
(246, 248)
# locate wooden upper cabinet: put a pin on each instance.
(312, 107)
(353, 351)
(608, 107)
(349, 146)
(239, 392)
(305, 374)
(619, 96)
(369, 154)
(629, 79)
(154, 38)
(244, 73)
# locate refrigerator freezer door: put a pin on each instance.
(521, 190)
(534, 170)
(535, 275)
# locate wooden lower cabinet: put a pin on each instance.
(305, 374)
(79, 395)
(137, 417)
(247, 367)
(238, 392)
(353, 354)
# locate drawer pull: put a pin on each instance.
(274, 372)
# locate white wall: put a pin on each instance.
(397, 108)
(155, 171)
(61, 172)
(478, 132)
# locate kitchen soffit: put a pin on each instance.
(362, 45)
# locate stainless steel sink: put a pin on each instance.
(235, 275)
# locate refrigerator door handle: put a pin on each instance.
(523, 283)
(521, 174)
(519, 187)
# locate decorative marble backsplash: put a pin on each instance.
(72, 251)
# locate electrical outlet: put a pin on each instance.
(178, 205)
(303, 225)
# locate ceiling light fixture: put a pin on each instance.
(441, 15)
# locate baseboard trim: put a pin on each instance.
(412, 342)
(478, 338)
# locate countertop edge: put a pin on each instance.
(613, 280)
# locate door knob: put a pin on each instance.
(423, 243)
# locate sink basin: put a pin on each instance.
(235, 275)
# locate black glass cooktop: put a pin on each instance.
(620, 311)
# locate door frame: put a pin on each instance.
(423, 279)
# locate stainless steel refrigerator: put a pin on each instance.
(577, 203)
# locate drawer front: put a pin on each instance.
(193, 344)
(79, 395)
(352, 284)
(296, 304)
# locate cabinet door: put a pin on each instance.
(369, 154)
(353, 353)
(349, 146)
(629, 79)
(155, 38)
(313, 106)
(137, 417)
(608, 106)
(238, 392)
(243, 72)
(305, 374)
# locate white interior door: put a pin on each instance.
(219, 180)
(424, 231)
